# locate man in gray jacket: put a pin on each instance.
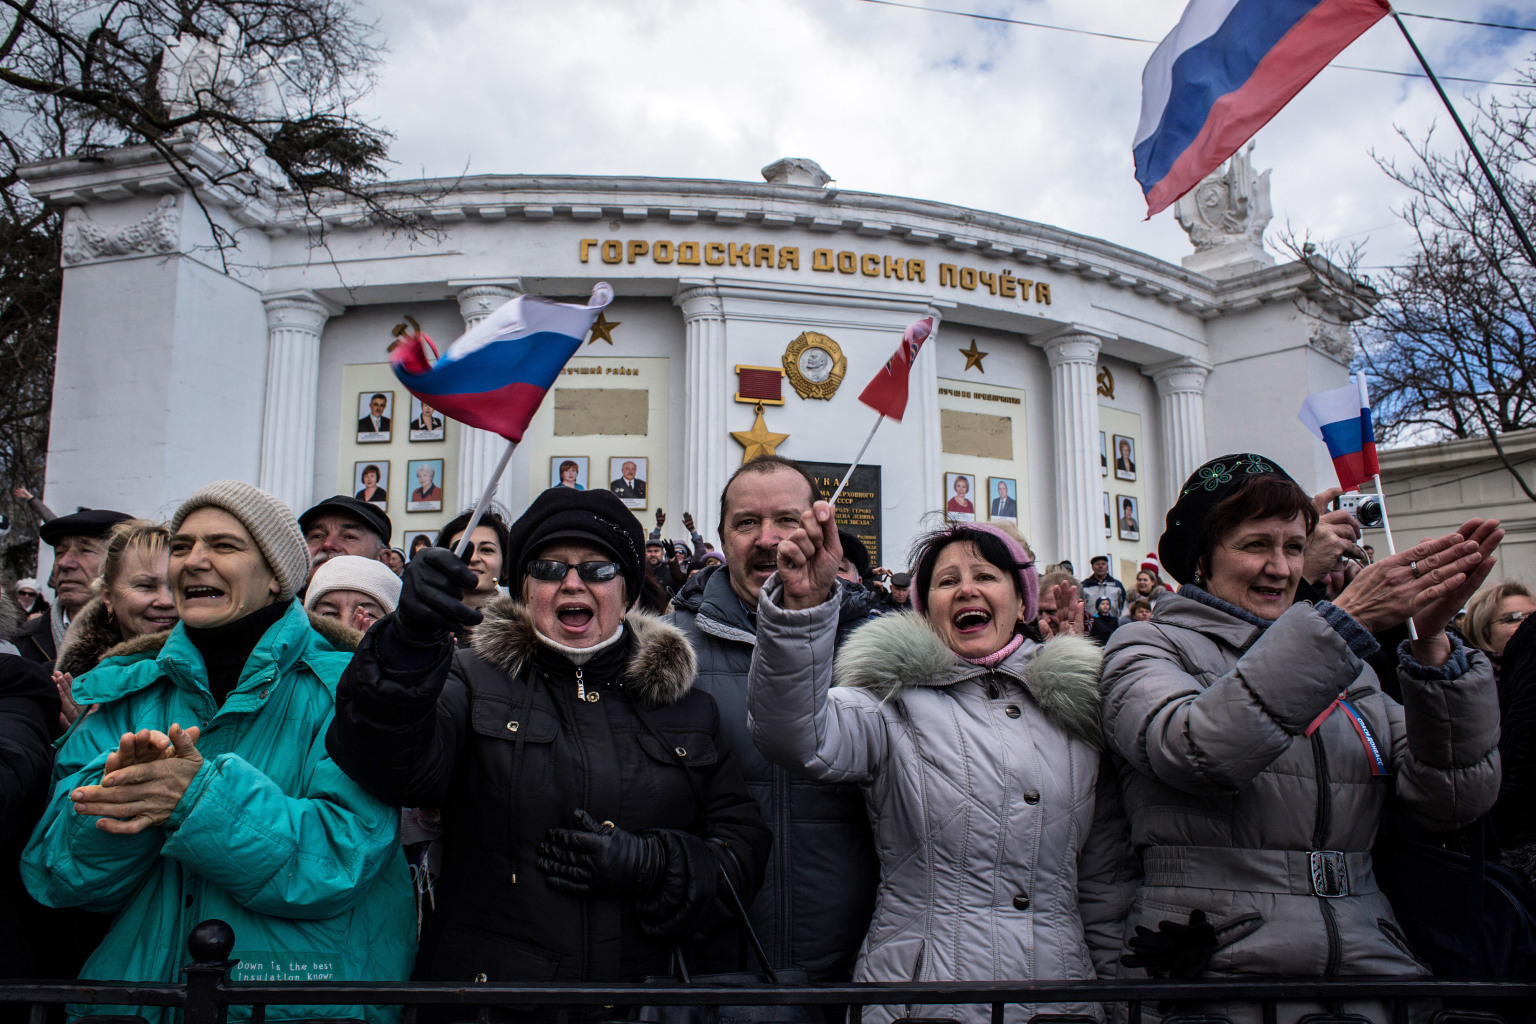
(819, 890)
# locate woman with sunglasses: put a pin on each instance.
(592, 811)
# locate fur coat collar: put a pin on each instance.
(339, 635)
(661, 665)
(90, 636)
(897, 653)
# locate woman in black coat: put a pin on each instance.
(590, 804)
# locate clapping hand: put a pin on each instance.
(143, 780)
(808, 558)
(1071, 614)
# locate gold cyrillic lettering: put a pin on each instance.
(741, 254)
(1007, 284)
(847, 262)
(789, 256)
(586, 247)
(821, 259)
(688, 252)
(869, 265)
(988, 279)
(917, 270)
(1043, 293)
(895, 267)
(968, 278)
(661, 252)
(762, 255)
(613, 252)
(714, 253)
(949, 274)
(638, 247)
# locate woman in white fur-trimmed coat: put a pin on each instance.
(978, 752)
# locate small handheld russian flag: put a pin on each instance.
(496, 375)
(1341, 419)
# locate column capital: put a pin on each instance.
(699, 299)
(1072, 344)
(1182, 376)
(478, 299)
(300, 311)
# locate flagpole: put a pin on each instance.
(1509, 211)
(844, 483)
(485, 499)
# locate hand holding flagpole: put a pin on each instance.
(887, 393)
(497, 374)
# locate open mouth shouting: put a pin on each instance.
(971, 620)
(574, 618)
(202, 592)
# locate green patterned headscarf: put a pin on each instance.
(1179, 547)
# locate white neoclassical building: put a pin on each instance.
(1071, 382)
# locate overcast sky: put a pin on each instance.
(1022, 121)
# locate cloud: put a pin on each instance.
(1021, 121)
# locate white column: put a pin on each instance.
(708, 392)
(294, 323)
(1074, 359)
(924, 392)
(480, 450)
(1181, 395)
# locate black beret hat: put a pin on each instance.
(595, 516)
(88, 522)
(369, 515)
(1179, 547)
(901, 579)
(856, 552)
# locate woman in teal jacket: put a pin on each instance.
(269, 834)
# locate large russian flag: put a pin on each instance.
(495, 376)
(1223, 72)
(1342, 419)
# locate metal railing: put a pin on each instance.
(207, 993)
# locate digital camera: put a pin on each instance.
(1366, 508)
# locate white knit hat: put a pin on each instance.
(27, 583)
(270, 522)
(353, 572)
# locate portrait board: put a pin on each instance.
(415, 540)
(426, 422)
(960, 497)
(1109, 520)
(1128, 516)
(425, 478)
(1103, 455)
(627, 475)
(376, 491)
(375, 416)
(1125, 457)
(560, 471)
(1003, 499)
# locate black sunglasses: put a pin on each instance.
(551, 571)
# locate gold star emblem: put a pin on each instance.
(602, 328)
(759, 440)
(973, 357)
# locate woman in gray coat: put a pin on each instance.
(1258, 751)
(977, 751)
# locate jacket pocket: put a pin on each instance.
(690, 749)
(460, 952)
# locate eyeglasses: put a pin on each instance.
(1513, 617)
(26, 593)
(551, 571)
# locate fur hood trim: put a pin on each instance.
(661, 669)
(338, 635)
(895, 653)
(90, 636)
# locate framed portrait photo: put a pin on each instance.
(1109, 519)
(371, 482)
(568, 471)
(1103, 455)
(1003, 498)
(426, 422)
(1125, 457)
(375, 415)
(959, 497)
(627, 475)
(427, 476)
(415, 540)
(1128, 516)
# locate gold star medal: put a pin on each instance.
(973, 357)
(602, 328)
(759, 440)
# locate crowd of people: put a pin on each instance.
(579, 753)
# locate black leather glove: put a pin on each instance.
(1175, 950)
(431, 596)
(602, 860)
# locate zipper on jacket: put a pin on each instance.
(581, 686)
(781, 870)
(1320, 830)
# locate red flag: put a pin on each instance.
(887, 393)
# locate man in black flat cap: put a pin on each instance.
(342, 525)
(79, 541)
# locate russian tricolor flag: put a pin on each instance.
(1229, 67)
(495, 376)
(1342, 419)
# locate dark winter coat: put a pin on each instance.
(819, 891)
(35, 640)
(1514, 816)
(29, 711)
(1238, 812)
(508, 739)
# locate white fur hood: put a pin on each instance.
(895, 653)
